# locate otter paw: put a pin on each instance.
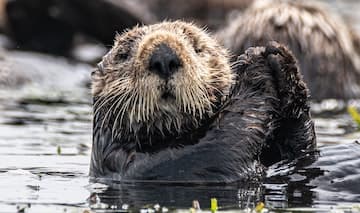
(292, 90)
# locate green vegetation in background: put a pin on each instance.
(354, 114)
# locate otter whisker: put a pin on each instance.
(120, 112)
(192, 101)
(114, 132)
(180, 100)
(216, 89)
(133, 107)
(135, 112)
(103, 103)
(100, 99)
(140, 110)
(107, 113)
(188, 103)
(147, 107)
(203, 98)
(117, 86)
(126, 106)
(144, 104)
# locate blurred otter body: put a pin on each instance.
(56, 26)
(210, 13)
(168, 106)
(323, 44)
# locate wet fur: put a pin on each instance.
(261, 116)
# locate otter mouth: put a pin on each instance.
(167, 92)
(167, 96)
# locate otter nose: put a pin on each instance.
(164, 61)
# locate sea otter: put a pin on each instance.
(326, 47)
(169, 106)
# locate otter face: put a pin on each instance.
(163, 76)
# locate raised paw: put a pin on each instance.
(292, 90)
(295, 134)
(271, 71)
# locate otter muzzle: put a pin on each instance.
(164, 61)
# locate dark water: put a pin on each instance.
(45, 142)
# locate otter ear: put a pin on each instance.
(97, 77)
(98, 71)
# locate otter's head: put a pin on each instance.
(162, 77)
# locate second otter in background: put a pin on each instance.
(326, 48)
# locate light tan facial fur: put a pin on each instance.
(124, 87)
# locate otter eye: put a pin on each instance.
(198, 50)
(122, 56)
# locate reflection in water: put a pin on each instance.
(241, 195)
(319, 179)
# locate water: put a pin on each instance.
(44, 151)
(45, 142)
